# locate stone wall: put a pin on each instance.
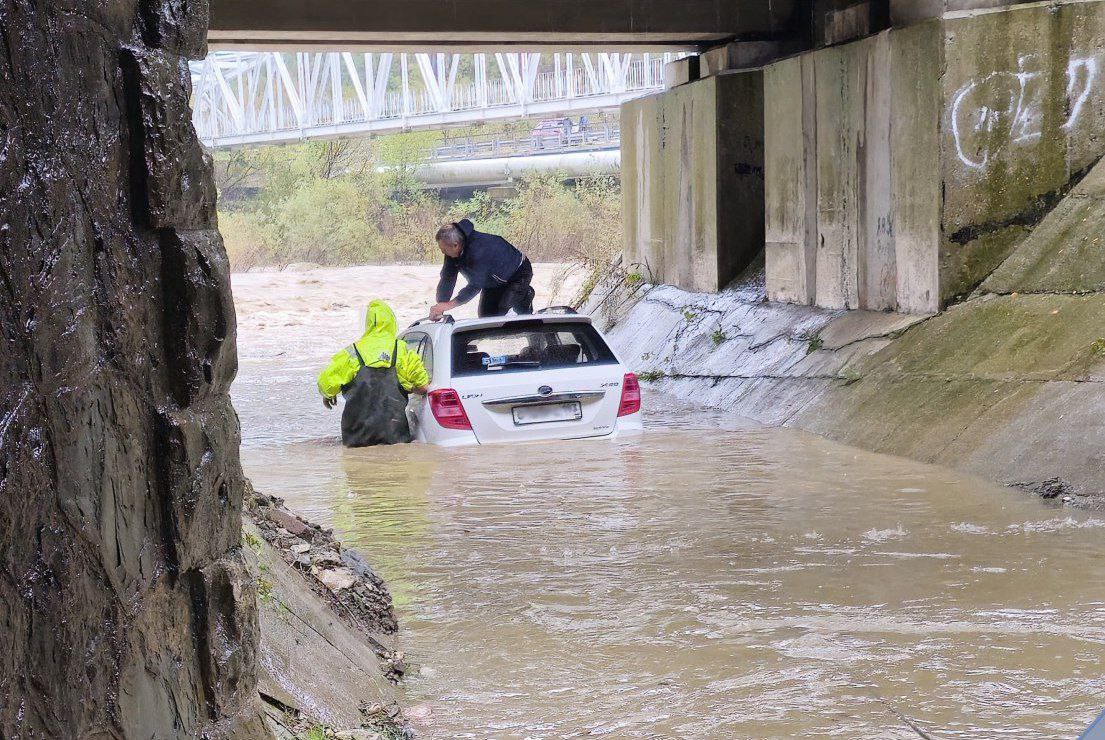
(125, 605)
(692, 180)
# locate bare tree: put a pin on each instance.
(235, 167)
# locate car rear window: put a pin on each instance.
(528, 345)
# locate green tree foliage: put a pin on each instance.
(552, 221)
(400, 154)
(326, 221)
(356, 202)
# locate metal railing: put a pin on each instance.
(588, 137)
(251, 98)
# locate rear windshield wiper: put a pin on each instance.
(515, 363)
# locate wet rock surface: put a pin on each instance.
(1052, 488)
(329, 659)
(126, 608)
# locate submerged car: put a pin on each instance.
(550, 375)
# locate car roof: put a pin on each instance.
(441, 327)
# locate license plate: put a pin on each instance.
(547, 412)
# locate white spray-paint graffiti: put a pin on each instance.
(1012, 102)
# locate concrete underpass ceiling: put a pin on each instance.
(494, 24)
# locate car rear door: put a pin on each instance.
(421, 344)
(537, 379)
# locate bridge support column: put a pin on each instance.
(692, 180)
(903, 168)
(853, 190)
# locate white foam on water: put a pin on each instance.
(882, 535)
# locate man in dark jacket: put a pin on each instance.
(490, 264)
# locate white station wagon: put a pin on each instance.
(520, 378)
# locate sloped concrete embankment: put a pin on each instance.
(1007, 384)
(328, 658)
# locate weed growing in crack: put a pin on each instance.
(849, 376)
(252, 541)
(651, 376)
(264, 589)
(815, 344)
(718, 337)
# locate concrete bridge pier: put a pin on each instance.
(688, 157)
(890, 163)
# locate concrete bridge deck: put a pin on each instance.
(393, 24)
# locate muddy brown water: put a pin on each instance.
(709, 582)
(709, 578)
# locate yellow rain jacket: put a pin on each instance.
(376, 347)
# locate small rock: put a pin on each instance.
(358, 735)
(303, 562)
(301, 548)
(1050, 488)
(290, 522)
(328, 557)
(354, 560)
(338, 579)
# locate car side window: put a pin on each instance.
(426, 351)
(414, 344)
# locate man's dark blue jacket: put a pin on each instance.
(488, 261)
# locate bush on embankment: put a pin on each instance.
(329, 203)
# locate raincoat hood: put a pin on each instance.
(467, 228)
(379, 322)
(379, 346)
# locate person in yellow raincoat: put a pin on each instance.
(374, 374)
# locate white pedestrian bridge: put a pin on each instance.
(246, 98)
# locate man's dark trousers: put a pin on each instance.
(516, 293)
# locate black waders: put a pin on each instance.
(375, 407)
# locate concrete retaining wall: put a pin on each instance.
(1023, 114)
(1009, 384)
(901, 169)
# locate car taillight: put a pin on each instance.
(631, 396)
(447, 409)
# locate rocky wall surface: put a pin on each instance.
(126, 609)
(328, 652)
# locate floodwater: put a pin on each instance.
(709, 579)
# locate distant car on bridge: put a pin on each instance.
(520, 378)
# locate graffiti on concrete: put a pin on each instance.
(1004, 109)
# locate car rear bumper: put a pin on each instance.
(626, 426)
